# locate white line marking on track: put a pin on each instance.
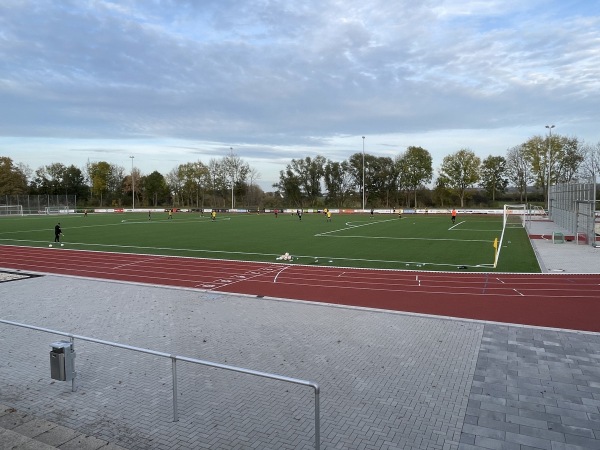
(237, 278)
(500, 281)
(275, 279)
(522, 295)
(120, 266)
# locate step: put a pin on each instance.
(22, 431)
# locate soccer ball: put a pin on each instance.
(49, 245)
(62, 245)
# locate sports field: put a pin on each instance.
(424, 242)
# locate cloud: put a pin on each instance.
(294, 76)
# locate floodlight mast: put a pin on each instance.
(548, 162)
(232, 175)
(132, 185)
(363, 175)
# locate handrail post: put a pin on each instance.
(174, 371)
(317, 418)
(74, 379)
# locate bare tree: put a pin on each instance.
(518, 170)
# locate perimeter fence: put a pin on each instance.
(573, 207)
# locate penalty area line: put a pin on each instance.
(349, 226)
(454, 226)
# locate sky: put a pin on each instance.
(172, 81)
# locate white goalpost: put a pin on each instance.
(11, 210)
(514, 216)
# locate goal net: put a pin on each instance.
(11, 210)
(56, 210)
(514, 216)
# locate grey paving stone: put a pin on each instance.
(34, 427)
(531, 441)
(9, 439)
(563, 446)
(14, 419)
(570, 429)
(57, 436)
(582, 441)
(83, 442)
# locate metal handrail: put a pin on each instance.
(175, 358)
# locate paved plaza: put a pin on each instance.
(388, 380)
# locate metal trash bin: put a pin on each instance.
(62, 361)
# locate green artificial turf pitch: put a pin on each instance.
(416, 242)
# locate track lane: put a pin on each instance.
(552, 300)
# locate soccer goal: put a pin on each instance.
(51, 210)
(537, 213)
(11, 210)
(514, 216)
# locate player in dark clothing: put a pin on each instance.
(57, 232)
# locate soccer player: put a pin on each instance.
(453, 215)
(276, 211)
(57, 232)
(149, 215)
(372, 211)
(299, 212)
(213, 215)
(170, 214)
(328, 216)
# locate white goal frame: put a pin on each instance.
(11, 210)
(514, 216)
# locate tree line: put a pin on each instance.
(407, 180)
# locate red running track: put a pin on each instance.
(551, 300)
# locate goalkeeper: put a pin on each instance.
(57, 232)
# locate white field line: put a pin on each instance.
(454, 226)
(350, 226)
(409, 238)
